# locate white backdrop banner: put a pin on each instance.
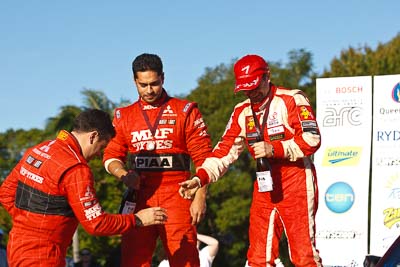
(385, 195)
(344, 112)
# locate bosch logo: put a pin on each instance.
(339, 197)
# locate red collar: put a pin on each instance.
(164, 97)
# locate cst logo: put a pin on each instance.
(339, 197)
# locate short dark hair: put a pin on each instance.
(85, 251)
(146, 62)
(95, 120)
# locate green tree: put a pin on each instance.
(364, 60)
(63, 121)
(296, 73)
(98, 99)
(12, 146)
(229, 199)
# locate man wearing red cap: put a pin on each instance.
(285, 123)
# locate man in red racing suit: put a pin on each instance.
(155, 138)
(51, 190)
(289, 134)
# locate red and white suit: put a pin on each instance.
(47, 194)
(181, 135)
(292, 130)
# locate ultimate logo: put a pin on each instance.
(342, 156)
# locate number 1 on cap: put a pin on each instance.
(246, 69)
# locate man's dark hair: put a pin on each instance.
(95, 120)
(145, 62)
(85, 251)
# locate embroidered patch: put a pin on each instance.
(62, 135)
(250, 124)
(305, 113)
(277, 137)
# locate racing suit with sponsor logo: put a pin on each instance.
(292, 130)
(162, 160)
(47, 194)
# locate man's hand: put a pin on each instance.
(199, 205)
(188, 188)
(131, 179)
(150, 216)
(263, 149)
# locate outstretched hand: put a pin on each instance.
(188, 188)
(150, 216)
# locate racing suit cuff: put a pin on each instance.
(197, 179)
(138, 221)
(203, 177)
(278, 150)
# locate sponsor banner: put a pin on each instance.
(385, 189)
(344, 112)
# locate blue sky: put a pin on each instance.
(51, 50)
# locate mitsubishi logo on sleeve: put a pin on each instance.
(168, 110)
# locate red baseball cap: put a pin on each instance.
(249, 71)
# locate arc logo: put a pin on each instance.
(342, 156)
(342, 116)
(339, 197)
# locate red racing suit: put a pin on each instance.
(180, 135)
(292, 130)
(47, 194)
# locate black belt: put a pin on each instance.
(36, 201)
(158, 162)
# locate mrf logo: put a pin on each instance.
(156, 162)
(93, 212)
(140, 139)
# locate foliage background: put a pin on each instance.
(228, 200)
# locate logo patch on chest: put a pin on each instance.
(164, 162)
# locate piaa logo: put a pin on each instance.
(339, 197)
(396, 93)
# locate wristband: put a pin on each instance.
(197, 179)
